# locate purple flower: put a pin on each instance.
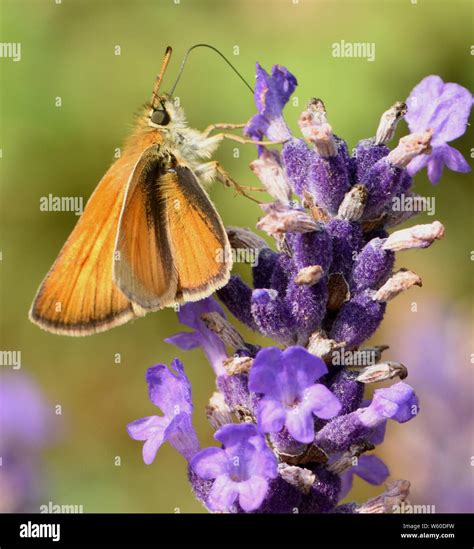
(398, 402)
(369, 468)
(445, 108)
(271, 95)
(240, 469)
(172, 393)
(190, 315)
(290, 395)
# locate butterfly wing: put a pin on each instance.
(78, 296)
(171, 244)
(143, 267)
(198, 240)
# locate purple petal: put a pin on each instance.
(170, 392)
(272, 92)
(283, 376)
(151, 446)
(417, 164)
(252, 492)
(262, 377)
(304, 366)
(271, 95)
(379, 433)
(319, 400)
(181, 435)
(346, 483)
(372, 469)
(443, 107)
(422, 102)
(397, 402)
(233, 434)
(185, 340)
(190, 313)
(152, 430)
(271, 416)
(300, 424)
(435, 166)
(210, 463)
(146, 427)
(451, 116)
(263, 463)
(223, 494)
(257, 127)
(455, 160)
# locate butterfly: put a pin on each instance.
(149, 236)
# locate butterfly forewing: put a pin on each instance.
(78, 296)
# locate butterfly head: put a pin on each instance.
(165, 114)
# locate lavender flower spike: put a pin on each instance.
(301, 413)
(444, 108)
(290, 395)
(241, 469)
(172, 393)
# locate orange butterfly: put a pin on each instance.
(149, 236)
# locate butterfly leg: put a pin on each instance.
(245, 140)
(222, 126)
(213, 170)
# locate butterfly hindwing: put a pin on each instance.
(143, 266)
(197, 236)
(171, 244)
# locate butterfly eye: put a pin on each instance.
(160, 117)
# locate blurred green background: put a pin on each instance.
(68, 50)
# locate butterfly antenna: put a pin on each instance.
(164, 64)
(185, 58)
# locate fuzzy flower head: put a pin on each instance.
(444, 108)
(241, 469)
(271, 95)
(291, 398)
(171, 392)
